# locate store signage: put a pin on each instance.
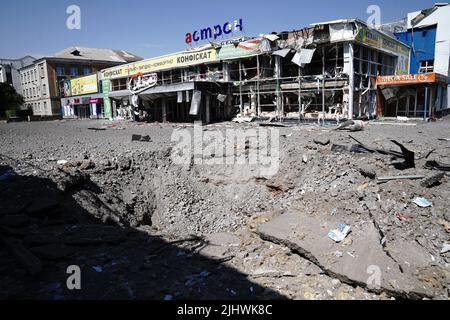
(84, 85)
(243, 49)
(214, 32)
(140, 82)
(180, 60)
(407, 79)
(95, 100)
(378, 40)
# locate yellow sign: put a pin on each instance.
(84, 85)
(163, 63)
(380, 41)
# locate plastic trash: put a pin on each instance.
(98, 269)
(422, 202)
(204, 274)
(338, 235)
(62, 162)
(168, 297)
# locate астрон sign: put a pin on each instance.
(214, 32)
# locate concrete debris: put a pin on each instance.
(140, 138)
(445, 248)
(367, 172)
(352, 125)
(322, 141)
(354, 267)
(433, 180)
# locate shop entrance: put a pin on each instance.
(82, 111)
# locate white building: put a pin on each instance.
(9, 71)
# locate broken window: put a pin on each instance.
(426, 66)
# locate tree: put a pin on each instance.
(9, 99)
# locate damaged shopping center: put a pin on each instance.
(326, 71)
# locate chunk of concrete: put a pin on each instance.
(364, 262)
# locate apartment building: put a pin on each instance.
(9, 71)
(44, 82)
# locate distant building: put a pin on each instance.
(9, 71)
(47, 80)
(427, 33)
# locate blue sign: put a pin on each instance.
(214, 32)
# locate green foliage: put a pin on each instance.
(9, 99)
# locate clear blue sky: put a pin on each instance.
(156, 27)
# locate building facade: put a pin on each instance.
(327, 71)
(45, 81)
(427, 32)
(9, 71)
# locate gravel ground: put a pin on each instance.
(141, 227)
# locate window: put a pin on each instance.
(45, 106)
(44, 89)
(42, 71)
(74, 72)
(60, 71)
(87, 71)
(426, 66)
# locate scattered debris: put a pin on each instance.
(338, 235)
(433, 180)
(434, 165)
(241, 119)
(422, 202)
(136, 137)
(403, 217)
(367, 172)
(98, 269)
(322, 141)
(97, 129)
(352, 125)
(273, 124)
(445, 248)
(445, 224)
(386, 179)
(81, 164)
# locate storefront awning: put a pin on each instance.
(120, 95)
(412, 79)
(172, 88)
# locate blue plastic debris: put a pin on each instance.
(338, 235)
(98, 269)
(422, 202)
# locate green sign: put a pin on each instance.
(106, 101)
